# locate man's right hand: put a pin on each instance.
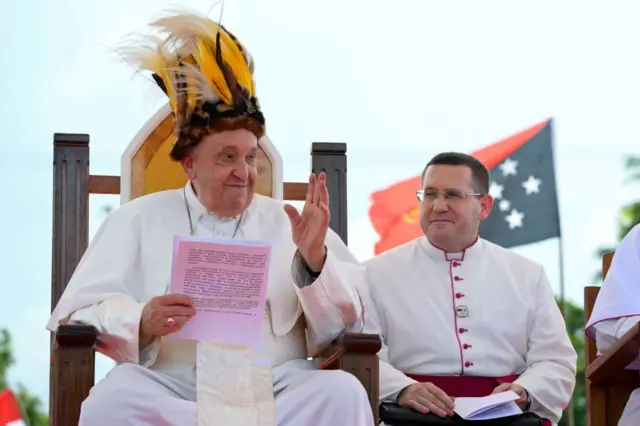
(426, 398)
(156, 314)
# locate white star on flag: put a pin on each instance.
(504, 205)
(531, 185)
(515, 219)
(508, 167)
(495, 190)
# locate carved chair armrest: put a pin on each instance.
(348, 344)
(356, 353)
(73, 371)
(610, 367)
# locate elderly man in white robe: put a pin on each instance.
(488, 318)
(617, 309)
(121, 282)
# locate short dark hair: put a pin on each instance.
(479, 173)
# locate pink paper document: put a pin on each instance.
(227, 280)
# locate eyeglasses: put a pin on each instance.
(450, 196)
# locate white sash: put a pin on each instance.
(234, 384)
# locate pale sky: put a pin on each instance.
(398, 81)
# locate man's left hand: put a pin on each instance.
(309, 228)
(523, 399)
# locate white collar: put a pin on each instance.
(438, 254)
(198, 210)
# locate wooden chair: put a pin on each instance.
(146, 168)
(608, 383)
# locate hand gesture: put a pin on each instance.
(309, 228)
(426, 398)
(519, 390)
(163, 315)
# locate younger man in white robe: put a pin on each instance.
(617, 309)
(460, 316)
(121, 282)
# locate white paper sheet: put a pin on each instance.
(488, 407)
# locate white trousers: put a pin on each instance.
(131, 395)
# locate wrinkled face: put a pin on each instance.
(450, 213)
(223, 168)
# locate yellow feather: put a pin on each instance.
(233, 56)
(207, 63)
(193, 38)
(163, 62)
(192, 97)
(171, 91)
(188, 26)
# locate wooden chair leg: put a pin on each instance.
(73, 373)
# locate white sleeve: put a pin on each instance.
(330, 302)
(102, 291)
(392, 380)
(550, 376)
(610, 331)
(619, 296)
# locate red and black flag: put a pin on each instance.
(522, 183)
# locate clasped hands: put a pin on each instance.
(428, 398)
(168, 313)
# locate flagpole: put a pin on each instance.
(563, 309)
(563, 302)
(560, 247)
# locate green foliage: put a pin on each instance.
(31, 405)
(632, 166)
(6, 357)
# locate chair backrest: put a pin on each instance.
(146, 166)
(604, 405)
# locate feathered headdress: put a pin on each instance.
(207, 75)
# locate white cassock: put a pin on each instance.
(617, 309)
(485, 312)
(181, 382)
